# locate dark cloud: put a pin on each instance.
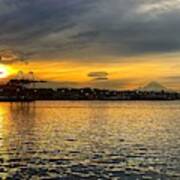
(101, 79)
(8, 56)
(98, 76)
(89, 29)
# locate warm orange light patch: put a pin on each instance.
(132, 72)
(5, 71)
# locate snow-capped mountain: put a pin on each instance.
(153, 86)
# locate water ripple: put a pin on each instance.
(90, 140)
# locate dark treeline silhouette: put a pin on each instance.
(16, 90)
(100, 94)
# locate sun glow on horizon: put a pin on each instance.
(121, 74)
(5, 71)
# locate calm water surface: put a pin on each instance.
(90, 140)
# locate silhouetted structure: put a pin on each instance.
(23, 88)
(16, 90)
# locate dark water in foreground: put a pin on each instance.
(90, 140)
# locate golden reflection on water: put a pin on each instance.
(90, 140)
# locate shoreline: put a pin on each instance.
(93, 100)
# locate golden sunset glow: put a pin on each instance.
(123, 75)
(5, 71)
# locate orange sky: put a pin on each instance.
(122, 74)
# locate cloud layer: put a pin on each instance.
(99, 76)
(90, 29)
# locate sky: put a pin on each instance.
(117, 44)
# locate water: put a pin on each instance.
(90, 140)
